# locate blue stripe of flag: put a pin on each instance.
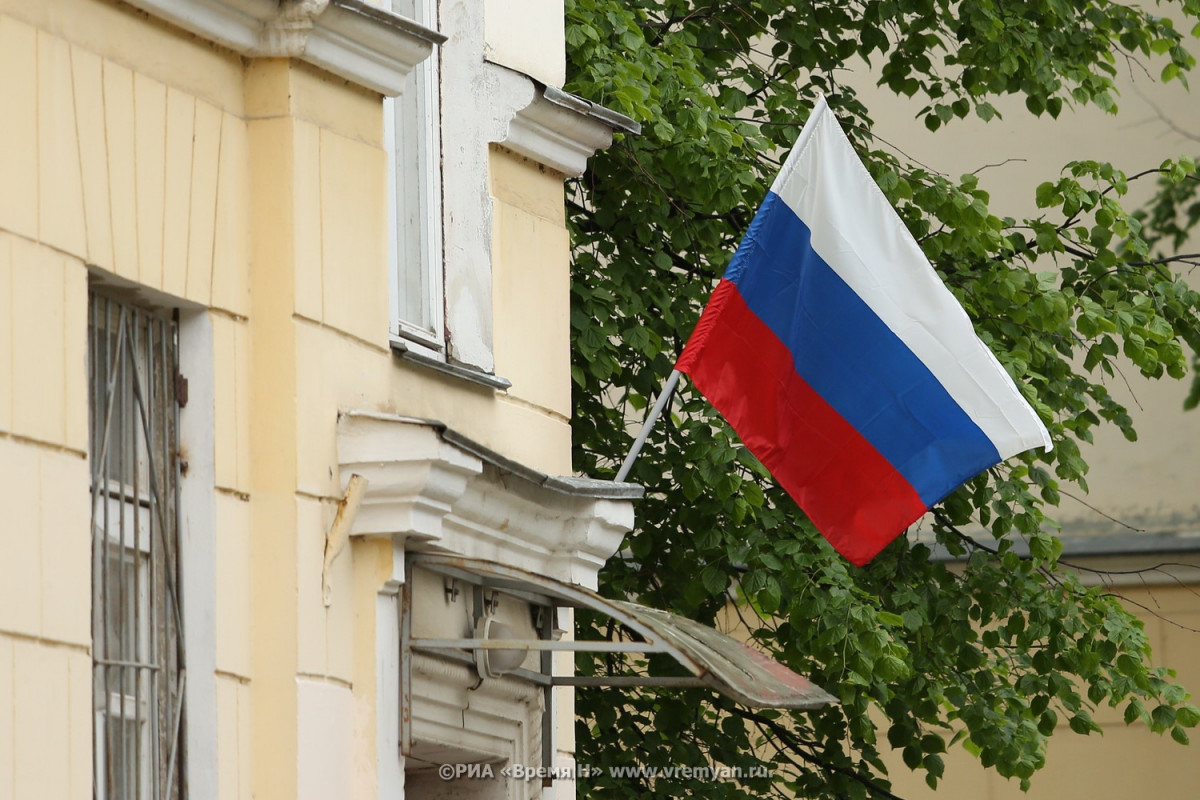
(853, 360)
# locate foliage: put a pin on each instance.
(1166, 224)
(991, 655)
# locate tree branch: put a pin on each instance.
(795, 745)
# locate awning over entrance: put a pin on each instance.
(713, 659)
(486, 551)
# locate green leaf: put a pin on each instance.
(888, 618)
(1162, 717)
(998, 649)
(1083, 724)
(713, 579)
(1047, 195)
(1187, 716)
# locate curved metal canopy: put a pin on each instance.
(713, 659)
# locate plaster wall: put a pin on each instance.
(250, 193)
(515, 32)
(1122, 759)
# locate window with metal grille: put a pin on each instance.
(137, 629)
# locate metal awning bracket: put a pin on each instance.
(713, 659)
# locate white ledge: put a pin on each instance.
(353, 40)
(432, 489)
(563, 131)
(236, 24)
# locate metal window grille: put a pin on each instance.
(137, 627)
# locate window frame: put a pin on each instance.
(412, 137)
(138, 658)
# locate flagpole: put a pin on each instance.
(667, 389)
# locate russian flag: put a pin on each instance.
(843, 362)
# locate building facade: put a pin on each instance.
(284, 300)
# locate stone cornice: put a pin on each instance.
(362, 43)
(563, 131)
(435, 490)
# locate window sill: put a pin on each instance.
(469, 374)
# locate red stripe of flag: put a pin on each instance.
(854, 496)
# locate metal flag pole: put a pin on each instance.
(664, 395)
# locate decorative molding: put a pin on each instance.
(414, 478)
(463, 677)
(362, 43)
(285, 35)
(236, 24)
(563, 131)
(458, 719)
(432, 488)
(375, 48)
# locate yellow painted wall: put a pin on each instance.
(254, 192)
(1123, 761)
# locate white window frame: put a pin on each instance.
(197, 549)
(117, 706)
(412, 131)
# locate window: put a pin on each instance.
(413, 137)
(137, 641)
